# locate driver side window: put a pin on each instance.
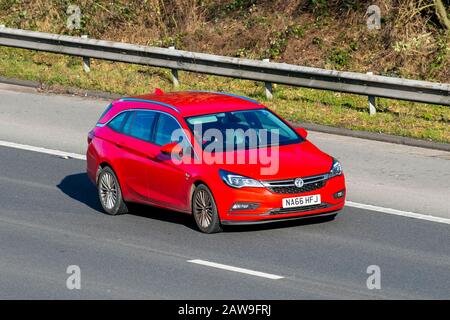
(165, 127)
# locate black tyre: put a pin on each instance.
(204, 210)
(109, 193)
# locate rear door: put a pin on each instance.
(138, 150)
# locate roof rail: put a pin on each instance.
(228, 94)
(151, 101)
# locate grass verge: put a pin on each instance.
(422, 121)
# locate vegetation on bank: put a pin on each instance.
(413, 42)
(421, 121)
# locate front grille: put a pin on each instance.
(288, 186)
(294, 189)
(298, 209)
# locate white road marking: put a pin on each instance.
(347, 203)
(236, 269)
(397, 212)
(42, 150)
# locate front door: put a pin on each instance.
(168, 180)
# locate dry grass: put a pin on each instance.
(320, 33)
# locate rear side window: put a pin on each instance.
(165, 127)
(117, 122)
(127, 125)
(142, 125)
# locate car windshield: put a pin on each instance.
(241, 130)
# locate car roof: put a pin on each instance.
(192, 103)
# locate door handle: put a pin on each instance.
(118, 145)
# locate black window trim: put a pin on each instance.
(155, 125)
(132, 116)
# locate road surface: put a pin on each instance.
(50, 219)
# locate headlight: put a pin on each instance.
(336, 169)
(238, 181)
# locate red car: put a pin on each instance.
(223, 158)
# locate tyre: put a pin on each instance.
(109, 193)
(204, 210)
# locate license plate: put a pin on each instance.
(301, 201)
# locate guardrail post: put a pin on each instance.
(268, 86)
(86, 60)
(372, 102)
(175, 80)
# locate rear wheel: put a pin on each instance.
(109, 192)
(204, 210)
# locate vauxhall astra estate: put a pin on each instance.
(223, 158)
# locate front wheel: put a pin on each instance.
(109, 193)
(204, 210)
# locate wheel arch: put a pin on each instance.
(194, 185)
(102, 165)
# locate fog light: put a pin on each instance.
(244, 206)
(339, 194)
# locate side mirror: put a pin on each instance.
(302, 132)
(172, 148)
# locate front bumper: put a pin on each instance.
(252, 222)
(270, 203)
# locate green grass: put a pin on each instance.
(428, 122)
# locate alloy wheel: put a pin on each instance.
(108, 190)
(203, 208)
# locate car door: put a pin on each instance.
(139, 151)
(168, 180)
(109, 141)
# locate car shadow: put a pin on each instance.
(278, 225)
(80, 188)
(161, 214)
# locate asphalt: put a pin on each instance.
(378, 173)
(50, 218)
